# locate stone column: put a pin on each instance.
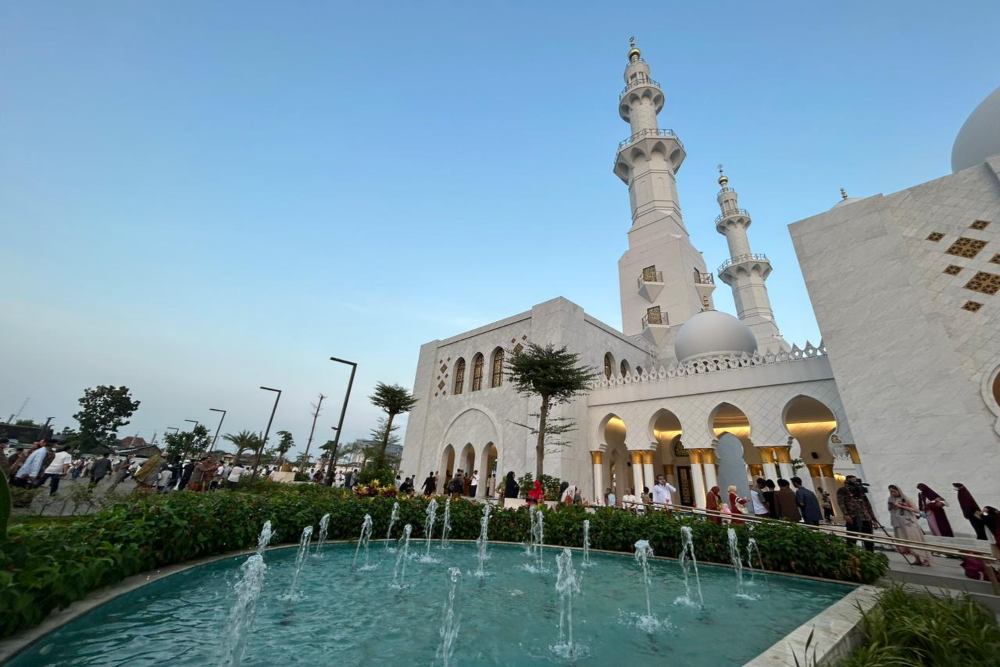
(697, 479)
(711, 471)
(597, 458)
(770, 470)
(647, 469)
(784, 462)
(636, 458)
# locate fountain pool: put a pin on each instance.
(508, 617)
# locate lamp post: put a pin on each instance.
(340, 423)
(176, 430)
(219, 427)
(193, 421)
(263, 442)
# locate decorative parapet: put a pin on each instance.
(713, 364)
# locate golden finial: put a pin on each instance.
(843, 193)
(633, 51)
(723, 179)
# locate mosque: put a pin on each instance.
(903, 388)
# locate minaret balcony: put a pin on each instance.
(642, 134)
(639, 83)
(639, 148)
(739, 216)
(745, 264)
(650, 285)
(656, 328)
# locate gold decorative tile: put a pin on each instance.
(987, 283)
(996, 258)
(972, 306)
(980, 224)
(952, 270)
(935, 236)
(965, 247)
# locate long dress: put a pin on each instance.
(734, 507)
(906, 526)
(714, 502)
(933, 505)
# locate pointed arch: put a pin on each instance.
(477, 372)
(625, 368)
(459, 376)
(609, 365)
(496, 368)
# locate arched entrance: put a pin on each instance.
(811, 423)
(616, 471)
(488, 471)
(447, 468)
(670, 458)
(467, 461)
(734, 451)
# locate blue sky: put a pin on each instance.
(200, 198)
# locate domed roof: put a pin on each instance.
(712, 332)
(979, 137)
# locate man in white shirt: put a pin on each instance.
(473, 483)
(30, 472)
(234, 475)
(59, 467)
(757, 500)
(661, 493)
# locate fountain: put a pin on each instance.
(366, 535)
(449, 626)
(540, 536)
(530, 550)
(689, 563)
(642, 553)
(393, 518)
(483, 541)
(403, 551)
(567, 585)
(300, 557)
(754, 550)
(248, 588)
(586, 543)
(736, 560)
(446, 524)
(324, 526)
(431, 512)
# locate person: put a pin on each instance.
(429, 484)
(570, 495)
(736, 504)
(610, 499)
(772, 506)
(788, 509)
(904, 517)
(186, 472)
(76, 469)
(455, 485)
(235, 474)
(202, 475)
(491, 485)
(757, 502)
(537, 494)
(713, 503)
(630, 502)
(466, 485)
(827, 504)
(807, 503)
(348, 479)
(970, 510)
(436, 479)
(852, 498)
(474, 483)
(406, 488)
(932, 504)
(59, 466)
(102, 466)
(662, 491)
(511, 488)
(166, 476)
(30, 471)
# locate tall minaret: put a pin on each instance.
(662, 276)
(745, 272)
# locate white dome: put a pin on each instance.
(979, 137)
(713, 332)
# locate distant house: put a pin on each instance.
(143, 451)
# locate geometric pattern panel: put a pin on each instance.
(979, 224)
(996, 258)
(987, 283)
(965, 247)
(952, 270)
(972, 306)
(935, 236)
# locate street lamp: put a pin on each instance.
(176, 430)
(340, 423)
(256, 463)
(193, 421)
(219, 428)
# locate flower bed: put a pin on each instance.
(45, 567)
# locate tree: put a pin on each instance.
(285, 443)
(244, 441)
(394, 400)
(103, 410)
(554, 376)
(185, 444)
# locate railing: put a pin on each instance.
(732, 214)
(643, 279)
(638, 83)
(654, 319)
(641, 134)
(703, 278)
(739, 259)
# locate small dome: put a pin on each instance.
(712, 332)
(979, 137)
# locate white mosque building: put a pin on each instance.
(905, 380)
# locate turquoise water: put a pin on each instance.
(510, 617)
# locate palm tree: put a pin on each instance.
(554, 376)
(244, 441)
(284, 444)
(394, 400)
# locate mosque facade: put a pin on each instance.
(707, 398)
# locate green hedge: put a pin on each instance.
(45, 567)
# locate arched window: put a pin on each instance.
(638, 370)
(496, 368)
(625, 368)
(459, 376)
(518, 349)
(477, 372)
(609, 365)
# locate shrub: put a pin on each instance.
(47, 566)
(916, 629)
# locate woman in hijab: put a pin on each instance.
(511, 489)
(569, 494)
(735, 504)
(970, 510)
(713, 503)
(906, 525)
(929, 502)
(537, 494)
